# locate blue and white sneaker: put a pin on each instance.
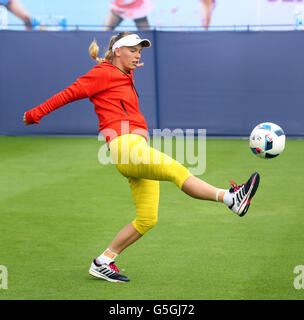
(243, 194)
(109, 272)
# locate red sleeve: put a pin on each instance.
(70, 94)
(96, 80)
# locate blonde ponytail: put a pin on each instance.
(94, 50)
(109, 55)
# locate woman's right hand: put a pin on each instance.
(24, 120)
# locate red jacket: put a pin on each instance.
(113, 94)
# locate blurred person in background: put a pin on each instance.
(120, 10)
(17, 8)
(208, 8)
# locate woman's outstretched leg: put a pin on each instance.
(237, 198)
(199, 189)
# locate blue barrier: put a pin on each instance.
(224, 82)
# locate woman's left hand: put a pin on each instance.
(140, 64)
(24, 119)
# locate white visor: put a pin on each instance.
(130, 41)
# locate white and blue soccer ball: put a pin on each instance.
(267, 140)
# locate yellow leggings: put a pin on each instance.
(145, 167)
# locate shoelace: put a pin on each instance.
(235, 186)
(114, 267)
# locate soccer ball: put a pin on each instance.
(267, 140)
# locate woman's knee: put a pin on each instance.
(144, 225)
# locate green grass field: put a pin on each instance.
(59, 208)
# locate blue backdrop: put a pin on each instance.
(225, 82)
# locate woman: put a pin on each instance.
(120, 10)
(110, 86)
(16, 7)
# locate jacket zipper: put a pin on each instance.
(122, 104)
(133, 86)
